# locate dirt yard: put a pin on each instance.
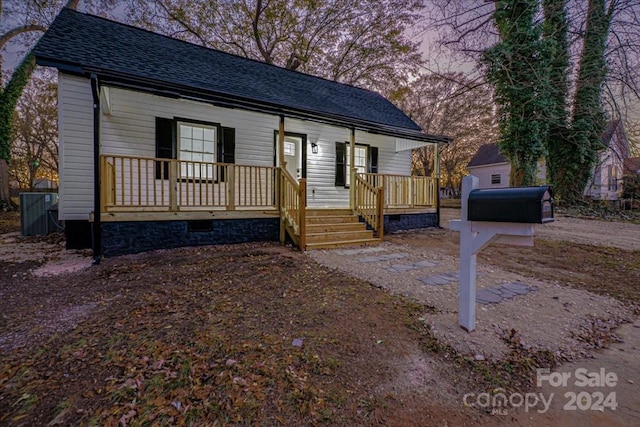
(263, 334)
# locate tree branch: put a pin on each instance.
(4, 39)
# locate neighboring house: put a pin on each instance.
(164, 143)
(606, 179)
(493, 169)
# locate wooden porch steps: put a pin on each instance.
(331, 228)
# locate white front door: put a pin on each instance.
(293, 155)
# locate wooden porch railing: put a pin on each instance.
(368, 204)
(152, 184)
(293, 208)
(405, 191)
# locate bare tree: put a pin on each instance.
(352, 41)
(35, 143)
(21, 23)
(450, 104)
(466, 28)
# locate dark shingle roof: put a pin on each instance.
(487, 154)
(609, 130)
(81, 43)
(614, 127)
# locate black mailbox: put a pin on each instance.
(516, 204)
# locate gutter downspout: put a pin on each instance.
(97, 225)
(436, 170)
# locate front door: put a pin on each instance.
(295, 154)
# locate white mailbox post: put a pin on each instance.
(475, 236)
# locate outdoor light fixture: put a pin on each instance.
(314, 148)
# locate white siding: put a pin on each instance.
(75, 130)
(321, 167)
(484, 174)
(321, 189)
(598, 186)
(129, 129)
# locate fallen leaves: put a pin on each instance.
(207, 340)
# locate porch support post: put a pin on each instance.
(282, 165)
(281, 161)
(352, 170)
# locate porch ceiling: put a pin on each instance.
(403, 144)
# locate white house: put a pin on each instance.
(493, 169)
(607, 177)
(164, 143)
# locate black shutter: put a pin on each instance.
(164, 146)
(341, 152)
(373, 159)
(228, 145)
(226, 149)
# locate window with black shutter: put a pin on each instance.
(198, 145)
(366, 160)
(226, 149)
(373, 159)
(341, 164)
(165, 143)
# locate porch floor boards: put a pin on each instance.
(330, 228)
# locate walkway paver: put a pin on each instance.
(386, 257)
(496, 294)
(359, 251)
(411, 266)
(440, 279)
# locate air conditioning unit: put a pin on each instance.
(37, 212)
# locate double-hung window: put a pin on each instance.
(360, 161)
(196, 150)
(365, 160)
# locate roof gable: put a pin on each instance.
(89, 43)
(487, 154)
(615, 138)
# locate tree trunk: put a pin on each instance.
(557, 143)
(5, 199)
(588, 117)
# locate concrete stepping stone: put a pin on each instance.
(401, 267)
(496, 294)
(360, 251)
(507, 293)
(483, 296)
(439, 279)
(425, 264)
(433, 281)
(519, 288)
(387, 257)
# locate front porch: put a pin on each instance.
(147, 189)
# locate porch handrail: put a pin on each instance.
(369, 204)
(403, 191)
(137, 183)
(292, 207)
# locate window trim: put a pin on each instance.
(613, 178)
(341, 161)
(347, 155)
(303, 147)
(499, 180)
(218, 135)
